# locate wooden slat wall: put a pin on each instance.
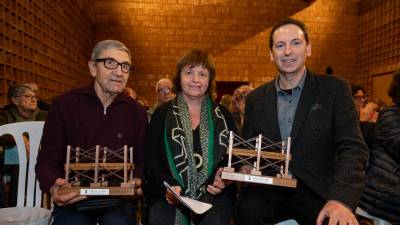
(46, 42)
(379, 41)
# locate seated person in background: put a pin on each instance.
(238, 104)
(143, 103)
(164, 93)
(97, 114)
(368, 112)
(40, 102)
(226, 101)
(23, 107)
(131, 92)
(186, 144)
(381, 196)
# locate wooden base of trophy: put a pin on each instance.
(259, 179)
(124, 190)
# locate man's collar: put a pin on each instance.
(299, 85)
(89, 91)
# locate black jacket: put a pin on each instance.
(156, 164)
(328, 151)
(382, 193)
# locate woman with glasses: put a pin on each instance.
(186, 144)
(23, 107)
(368, 112)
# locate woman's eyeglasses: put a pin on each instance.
(31, 97)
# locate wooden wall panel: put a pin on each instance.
(46, 42)
(49, 42)
(379, 41)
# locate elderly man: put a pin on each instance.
(164, 92)
(328, 152)
(97, 114)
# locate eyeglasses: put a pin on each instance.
(361, 98)
(31, 97)
(111, 63)
(164, 90)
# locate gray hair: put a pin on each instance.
(163, 79)
(21, 88)
(108, 44)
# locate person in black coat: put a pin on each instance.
(328, 153)
(381, 197)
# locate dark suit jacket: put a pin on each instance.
(328, 152)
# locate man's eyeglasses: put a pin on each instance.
(31, 97)
(111, 63)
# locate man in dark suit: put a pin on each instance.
(328, 152)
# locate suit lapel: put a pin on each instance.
(308, 97)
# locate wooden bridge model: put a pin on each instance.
(258, 154)
(105, 165)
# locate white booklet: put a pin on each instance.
(196, 206)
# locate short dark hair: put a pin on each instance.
(195, 57)
(355, 88)
(284, 22)
(394, 90)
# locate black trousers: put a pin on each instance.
(261, 204)
(162, 213)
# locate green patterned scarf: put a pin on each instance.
(178, 140)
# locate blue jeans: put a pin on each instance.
(121, 215)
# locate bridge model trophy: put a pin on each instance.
(98, 170)
(259, 156)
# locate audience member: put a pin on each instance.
(368, 113)
(164, 93)
(367, 110)
(143, 103)
(328, 155)
(381, 197)
(186, 142)
(238, 104)
(131, 92)
(97, 114)
(43, 105)
(226, 101)
(23, 107)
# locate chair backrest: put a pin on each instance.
(28, 186)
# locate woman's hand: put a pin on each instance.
(171, 199)
(219, 183)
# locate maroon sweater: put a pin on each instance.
(78, 118)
